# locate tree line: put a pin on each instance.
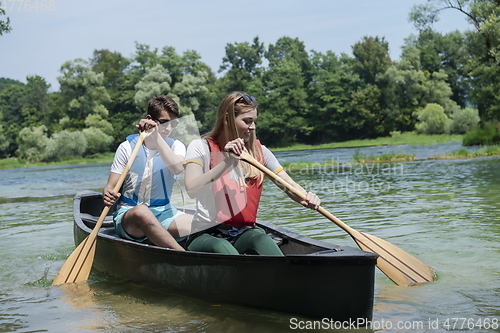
(442, 83)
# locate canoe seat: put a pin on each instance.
(326, 252)
(277, 239)
(91, 220)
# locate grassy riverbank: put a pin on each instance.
(408, 138)
(360, 158)
(13, 163)
(464, 153)
(396, 139)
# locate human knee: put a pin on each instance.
(208, 243)
(224, 247)
(256, 241)
(181, 226)
(140, 215)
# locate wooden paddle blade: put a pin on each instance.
(398, 265)
(78, 265)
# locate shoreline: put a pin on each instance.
(397, 139)
(408, 138)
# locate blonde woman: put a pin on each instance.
(228, 190)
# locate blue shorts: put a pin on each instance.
(165, 214)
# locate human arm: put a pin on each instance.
(117, 167)
(172, 160)
(156, 141)
(311, 201)
(270, 162)
(196, 179)
(108, 194)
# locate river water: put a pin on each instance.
(445, 212)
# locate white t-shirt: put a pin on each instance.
(198, 152)
(125, 150)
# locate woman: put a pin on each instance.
(228, 190)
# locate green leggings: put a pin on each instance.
(252, 241)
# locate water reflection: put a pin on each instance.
(115, 306)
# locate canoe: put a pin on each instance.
(314, 279)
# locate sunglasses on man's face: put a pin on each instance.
(248, 99)
(172, 123)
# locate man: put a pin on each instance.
(144, 209)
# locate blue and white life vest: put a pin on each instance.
(157, 190)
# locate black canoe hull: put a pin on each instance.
(315, 279)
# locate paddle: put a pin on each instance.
(399, 266)
(77, 266)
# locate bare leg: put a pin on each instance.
(181, 226)
(140, 222)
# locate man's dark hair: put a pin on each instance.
(158, 104)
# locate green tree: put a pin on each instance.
(363, 116)
(241, 64)
(156, 82)
(484, 15)
(184, 78)
(98, 120)
(36, 101)
(189, 90)
(432, 120)
(447, 53)
(4, 24)
(483, 45)
(5, 82)
(120, 75)
(283, 103)
(144, 58)
(12, 101)
(406, 89)
(66, 144)
(179, 65)
(365, 112)
(463, 120)
(193, 83)
(113, 67)
(97, 141)
(4, 143)
(82, 90)
(24, 105)
(32, 143)
(371, 58)
(332, 107)
(485, 88)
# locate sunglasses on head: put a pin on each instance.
(247, 99)
(172, 123)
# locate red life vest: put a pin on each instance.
(236, 203)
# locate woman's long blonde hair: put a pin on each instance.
(232, 106)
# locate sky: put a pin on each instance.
(43, 38)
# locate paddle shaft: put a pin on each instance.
(120, 181)
(249, 158)
(77, 266)
(400, 266)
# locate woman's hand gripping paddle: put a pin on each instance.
(399, 266)
(77, 266)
